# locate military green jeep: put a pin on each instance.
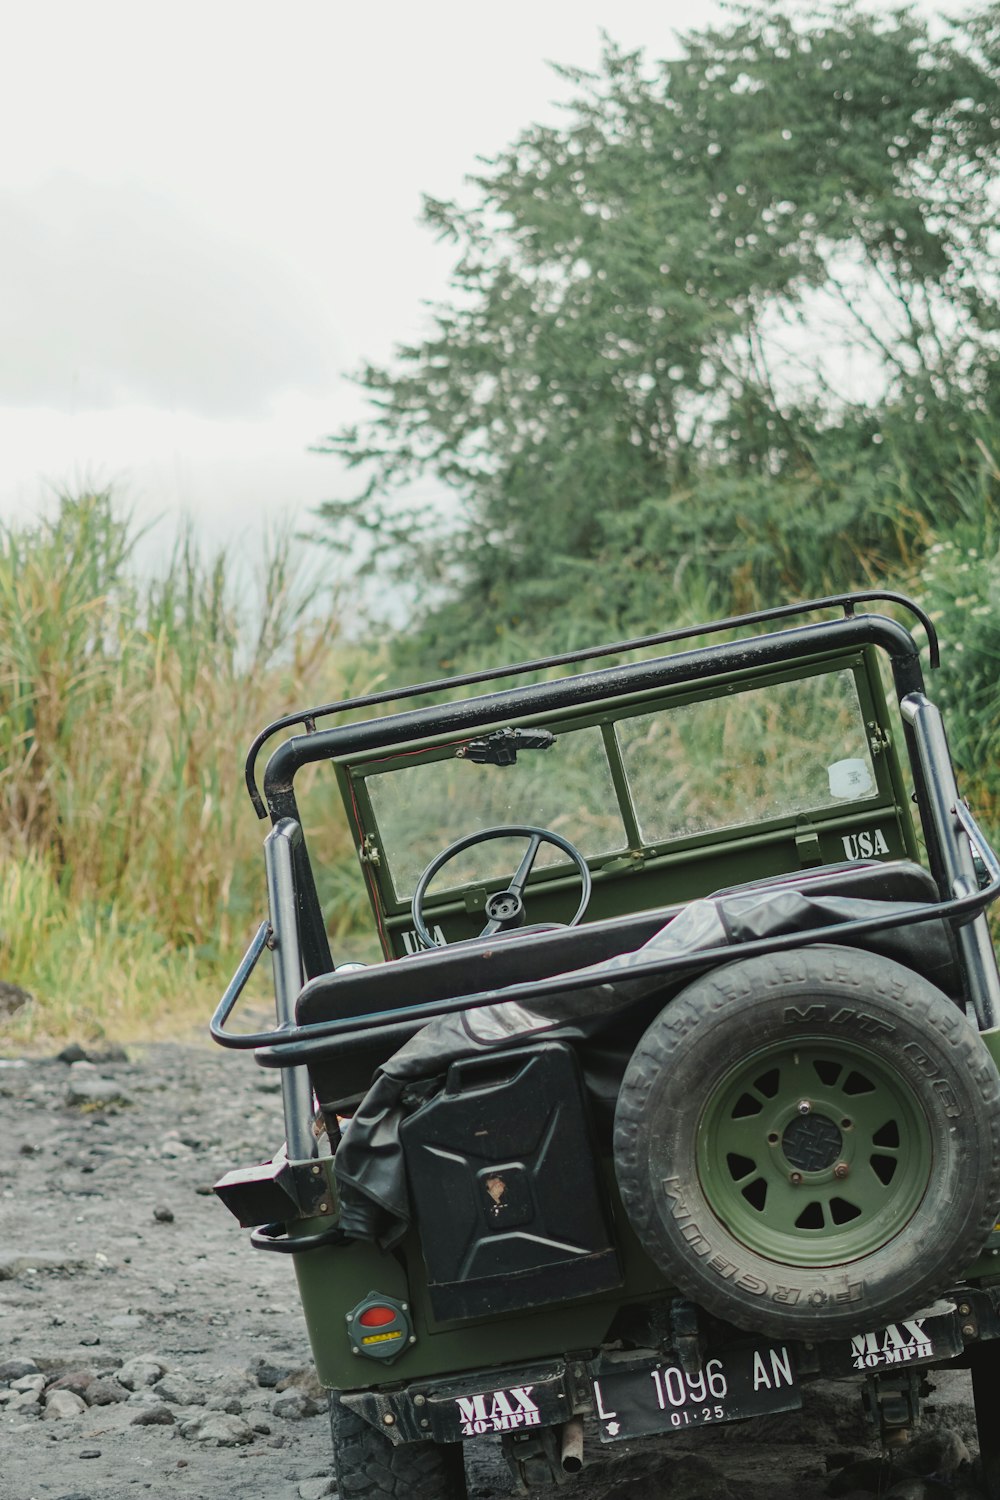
(676, 1087)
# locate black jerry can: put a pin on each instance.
(505, 1186)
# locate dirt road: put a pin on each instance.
(145, 1348)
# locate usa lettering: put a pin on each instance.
(898, 1344)
(864, 844)
(498, 1411)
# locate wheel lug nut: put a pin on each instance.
(795, 1178)
(841, 1169)
(804, 1107)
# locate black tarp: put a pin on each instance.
(604, 1019)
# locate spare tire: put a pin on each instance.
(808, 1144)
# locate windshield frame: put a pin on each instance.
(353, 773)
(799, 645)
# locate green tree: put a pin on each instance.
(706, 338)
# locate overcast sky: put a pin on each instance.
(209, 216)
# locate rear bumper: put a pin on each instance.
(719, 1376)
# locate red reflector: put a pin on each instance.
(378, 1317)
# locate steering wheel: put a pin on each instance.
(504, 909)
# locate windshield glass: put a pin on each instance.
(738, 758)
(422, 807)
(774, 752)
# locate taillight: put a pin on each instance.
(377, 1317)
(380, 1327)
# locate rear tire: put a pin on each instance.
(809, 1144)
(369, 1467)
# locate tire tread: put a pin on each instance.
(369, 1467)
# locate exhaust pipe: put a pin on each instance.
(572, 1446)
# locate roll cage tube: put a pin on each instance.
(931, 762)
(847, 602)
(779, 649)
(296, 1089)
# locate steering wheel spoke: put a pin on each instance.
(504, 909)
(524, 868)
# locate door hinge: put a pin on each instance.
(369, 853)
(878, 738)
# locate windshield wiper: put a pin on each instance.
(501, 747)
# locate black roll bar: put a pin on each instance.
(777, 649)
(307, 718)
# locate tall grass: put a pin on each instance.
(130, 868)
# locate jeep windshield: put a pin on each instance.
(637, 781)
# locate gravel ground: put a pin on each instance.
(145, 1347)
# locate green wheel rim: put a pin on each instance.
(813, 1153)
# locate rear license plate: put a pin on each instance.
(662, 1398)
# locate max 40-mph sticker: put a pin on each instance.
(498, 1411)
(933, 1335)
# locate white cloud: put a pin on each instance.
(112, 294)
